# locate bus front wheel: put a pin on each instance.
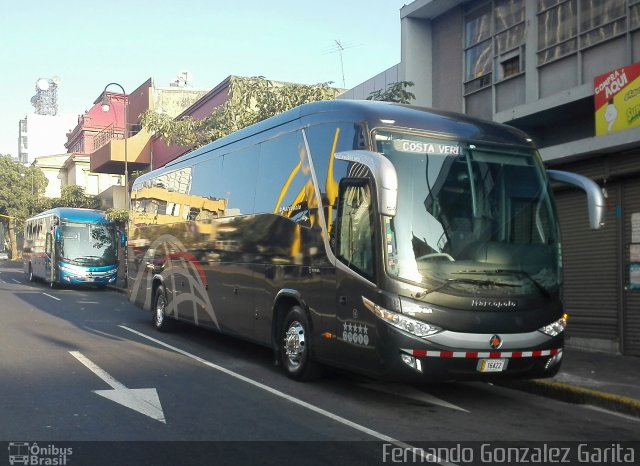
(160, 319)
(295, 349)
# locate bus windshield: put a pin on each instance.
(88, 244)
(471, 220)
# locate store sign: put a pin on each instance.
(617, 99)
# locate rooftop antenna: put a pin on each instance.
(45, 100)
(341, 47)
(183, 79)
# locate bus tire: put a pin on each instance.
(161, 322)
(295, 347)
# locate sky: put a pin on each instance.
(90, 44)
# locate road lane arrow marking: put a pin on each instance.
(143, 400)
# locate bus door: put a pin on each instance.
(49, 258)
(355, 249)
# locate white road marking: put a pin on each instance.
(613, 413)
(2, 281)
(142, 400)
(412, 393)
(16, 281)
(52, 297)
(304, 404)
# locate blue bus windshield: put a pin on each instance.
(88, 244)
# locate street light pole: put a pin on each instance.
(105, 108)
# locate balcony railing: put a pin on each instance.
(103, 137)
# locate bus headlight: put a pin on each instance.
(555, 328)
(412, 326)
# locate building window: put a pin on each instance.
(599, 20)
(478, 48)
(510, 67)
(634, 14)
(557, 28)
(494, 33)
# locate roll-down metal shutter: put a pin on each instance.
(631, 309)
(590, 260)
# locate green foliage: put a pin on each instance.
(21, 189)
(250, 100)
(395, 92)
(74, 196)
(120, 216)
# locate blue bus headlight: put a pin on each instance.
(555, 328)
(401, 321)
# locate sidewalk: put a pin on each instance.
(605, 380)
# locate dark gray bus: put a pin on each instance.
(394, 241)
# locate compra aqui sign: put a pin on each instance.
(617, 99)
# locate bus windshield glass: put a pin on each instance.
(88, 244)
(471, 220)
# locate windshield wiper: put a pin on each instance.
(511, 272)
(468, 281)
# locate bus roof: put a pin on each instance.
(447, 124)
(71, 214)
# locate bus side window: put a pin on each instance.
(48, 248)
(355, 235)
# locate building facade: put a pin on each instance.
(568, 73)
(40, 135)
(108, 154)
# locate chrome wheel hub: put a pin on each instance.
(294, 343)
(160, 304)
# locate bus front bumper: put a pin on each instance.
(416, 359)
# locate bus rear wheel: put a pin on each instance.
(160, 319)
(295, 347)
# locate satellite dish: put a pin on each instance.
(42, 84)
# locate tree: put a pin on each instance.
(74, 196)
(21, 190)
(250, 100)
(395, 92)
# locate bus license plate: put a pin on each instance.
(492, 365)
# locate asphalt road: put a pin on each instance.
(84, 365)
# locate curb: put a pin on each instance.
(578, 395)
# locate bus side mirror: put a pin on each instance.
(384, 175)
(123, 238)
(595, 199)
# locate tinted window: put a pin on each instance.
(240, 172)
(329, 171)
(207, 179)
(285, 185)
(355, 237)
(162, 199)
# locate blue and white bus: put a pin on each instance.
(71, 246)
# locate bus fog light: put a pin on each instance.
(411, 362)
(553, 360)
